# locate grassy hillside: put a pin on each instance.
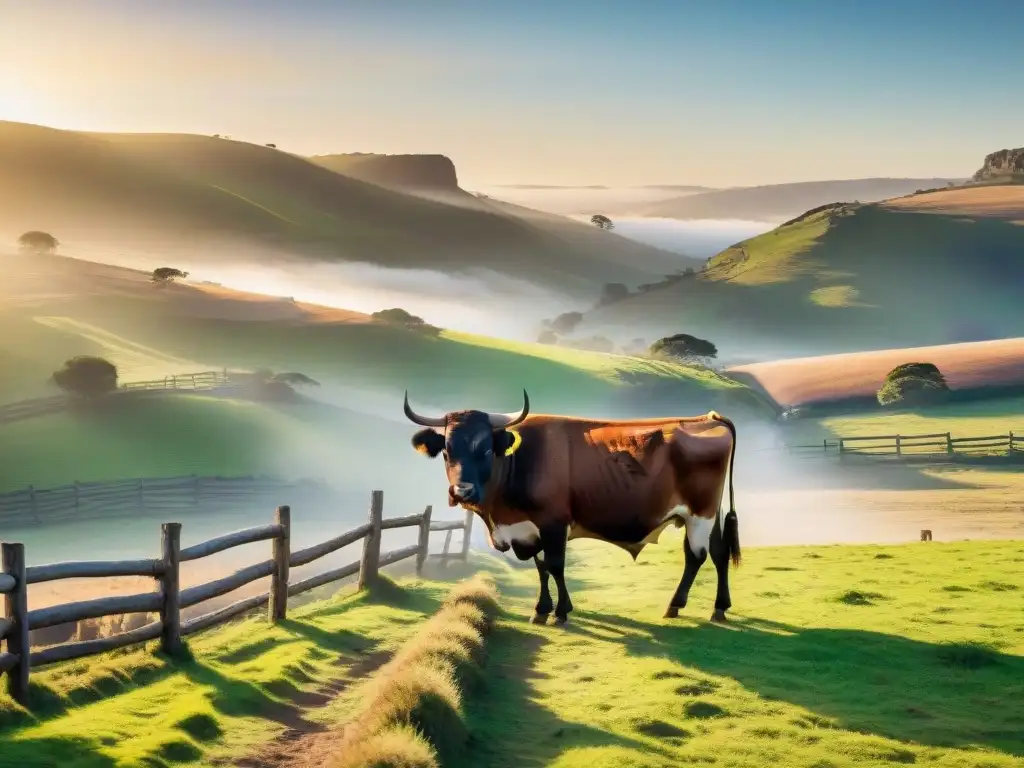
(777, 202)
(247, 684)
(356, 435)
(217, 200)
(836, 656)
(846, 278)
(398, 171)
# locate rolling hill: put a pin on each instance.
(777, 202)
(935, 268)
(217, 200)
(397, 171)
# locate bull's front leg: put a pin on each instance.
(544, 603)
(553, 541)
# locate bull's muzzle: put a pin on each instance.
(463, 493)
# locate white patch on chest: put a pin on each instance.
(523, 532)
(698, 533)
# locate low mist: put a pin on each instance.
(611, 201)
(700, 238)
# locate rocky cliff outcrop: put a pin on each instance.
(435, 172)
(1006, 164)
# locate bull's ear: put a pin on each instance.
(503, 441)
(428, 441)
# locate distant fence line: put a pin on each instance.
(183, 382)
(152, 495)
(16, 575)
(903, 446)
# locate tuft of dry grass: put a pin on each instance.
(412, 713)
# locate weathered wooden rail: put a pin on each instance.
(931, 444)
(169, 599)
(150, 495)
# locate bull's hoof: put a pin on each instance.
(561, 621)
(539, 618)
(672, 612)
(719, 616)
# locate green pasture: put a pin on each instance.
(245, 684)
(835, 656)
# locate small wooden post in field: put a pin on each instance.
(899, 445)
(370, 563)
(279, 576)
(949, 442)
(926, 534)
(421, 556)
(466, 531)
(170, 605)
(1009, 443)
(842, 447)
(12, 562)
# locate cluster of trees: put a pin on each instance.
(601, 221)
(86, 376)
(685, 348)
(913, 384)
(166, 275)
(398, 317)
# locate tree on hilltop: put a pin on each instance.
(398, 317)
(601, 221)
(87, 376)
(565, 322)
(913, 384)
(686, 348)
(166, 275)
(38, 242)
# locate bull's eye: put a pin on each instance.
(488, 453)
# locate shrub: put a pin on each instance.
(87, 376)
(912, 384)
(166, 275)
(38, 242)
(412, 709)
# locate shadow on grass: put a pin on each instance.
(868, 682)
(508, 727)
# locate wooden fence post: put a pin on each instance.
(1009, 444)
(12, 562)
(281, 549)
(899, 446)
(466, 532)
(421, 556)
(949, 442)
(842, 447)
(370, 562)
(170, 605)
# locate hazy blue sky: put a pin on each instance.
(718, 92)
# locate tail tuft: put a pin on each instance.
(731, 537)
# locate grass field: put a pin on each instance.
(842, 279)
(829, 377)
(836, 656)
(989, 417)
(248, 682)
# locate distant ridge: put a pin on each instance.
(397, 171)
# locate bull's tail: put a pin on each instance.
(731, 523)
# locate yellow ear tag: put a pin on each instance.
(517, 440)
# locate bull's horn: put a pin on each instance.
(506, 420)
(423, 421)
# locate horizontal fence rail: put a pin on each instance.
(43, 406)
(168, 600)
(930, 444)
(150, 495)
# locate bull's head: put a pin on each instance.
(469, 442)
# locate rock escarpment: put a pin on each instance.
(1004, 165)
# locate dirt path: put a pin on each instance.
(305, 740)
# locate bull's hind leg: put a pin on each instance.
(720, 557)
(695, 548)
(544, 602)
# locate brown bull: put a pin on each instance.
(539, 481)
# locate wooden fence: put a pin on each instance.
(148, 495)
(185, 382)
(170, 599)
(935, 444)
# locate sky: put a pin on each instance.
(716, 92)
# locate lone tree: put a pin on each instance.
(167, 275)
(87, 376)
(398, 317)
(601, 221)
(38, 242)
(685, 347)
(912, 384)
